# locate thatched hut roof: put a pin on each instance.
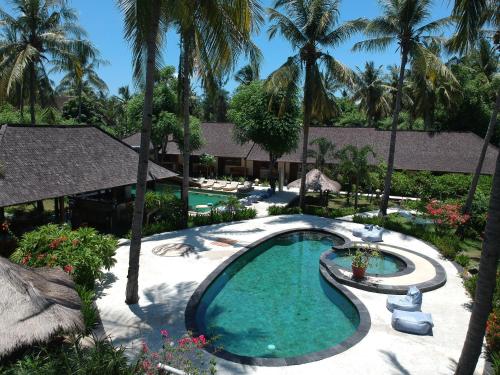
(316, 181)
(35, 304)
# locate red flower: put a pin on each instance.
(75, 243)
(68, 268)
(164, 332)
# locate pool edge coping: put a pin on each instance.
(361, 331)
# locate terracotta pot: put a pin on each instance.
(358, 272)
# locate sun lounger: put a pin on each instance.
(412, 322)
(247, 187)
(412, 301)
(219, 185)
(369, 233)
(208, 184)
(231, 186)
(414, 218)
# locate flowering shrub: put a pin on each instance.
(493, 332)
(445, 215)
(179, 354)
(81, 253)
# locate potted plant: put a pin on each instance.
(360, 261)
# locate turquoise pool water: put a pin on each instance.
(196, 198)
(273, 302)
(386, 264)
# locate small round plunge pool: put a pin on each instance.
(384, 265)
(270, 305)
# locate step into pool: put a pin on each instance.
(272, 301)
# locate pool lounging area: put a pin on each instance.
(172, 282)
(286, 313)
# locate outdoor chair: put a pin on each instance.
(412, 301)
(415, 322)
(369, 233)
(208, 184)
(247, 187)
(219, 185)
(231, 186)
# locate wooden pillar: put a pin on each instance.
(2, 214)
(56, 208)
(62, 212)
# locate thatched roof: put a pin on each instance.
(415, 150)
(35, 304)
(317, 181)
(42, 162)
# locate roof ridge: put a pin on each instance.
(79, 126)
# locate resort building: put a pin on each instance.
(95, 170)
(439, 152)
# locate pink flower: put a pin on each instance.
(146, 365)
(164, 332)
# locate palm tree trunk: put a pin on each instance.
(356, 193)
(32, 93)
(486, 282)
(80, 103)
(21, 101)
(186, 89)
(475, 180)
(305, 142)
(392, 148)
(132, 291)
(272, 176)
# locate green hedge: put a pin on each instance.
(217, 217)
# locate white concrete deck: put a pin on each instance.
(166, 284)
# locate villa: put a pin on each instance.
(81, 162)
(438, 152)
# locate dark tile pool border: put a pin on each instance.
(359, 334)
(409, 265)
(436, 282)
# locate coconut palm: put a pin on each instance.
(213, 35)
(143, 28)
(81, 71)
(486, 59)
(47, 30)
(403, 23)
(325, 151)
(432, 83)
(247, 74)
(354, 167)
(473, 16)
(310, 26)
(371, 93)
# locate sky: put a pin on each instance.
(103, 22)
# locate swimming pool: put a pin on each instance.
(272, 302)
(384, 265)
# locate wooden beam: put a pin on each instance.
(61, 215)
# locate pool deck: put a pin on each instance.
(167, 282)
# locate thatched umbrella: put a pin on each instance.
(317, 181)
(35, 304)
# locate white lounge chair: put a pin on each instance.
(208, 184)
(247, 187)
(369, 233)
(219, 185)
(231, 186)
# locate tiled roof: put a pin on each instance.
(42, 162)
(415, 150)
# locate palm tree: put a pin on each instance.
(325, 151)
(487, 62)
(310, 26)
(401, 23)
(371, 93)
(354, 166)
(143, 26)
(213, 35)
(247, 74)
(81, 71)
(432, 83)
(46, 29)
(472, 16)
